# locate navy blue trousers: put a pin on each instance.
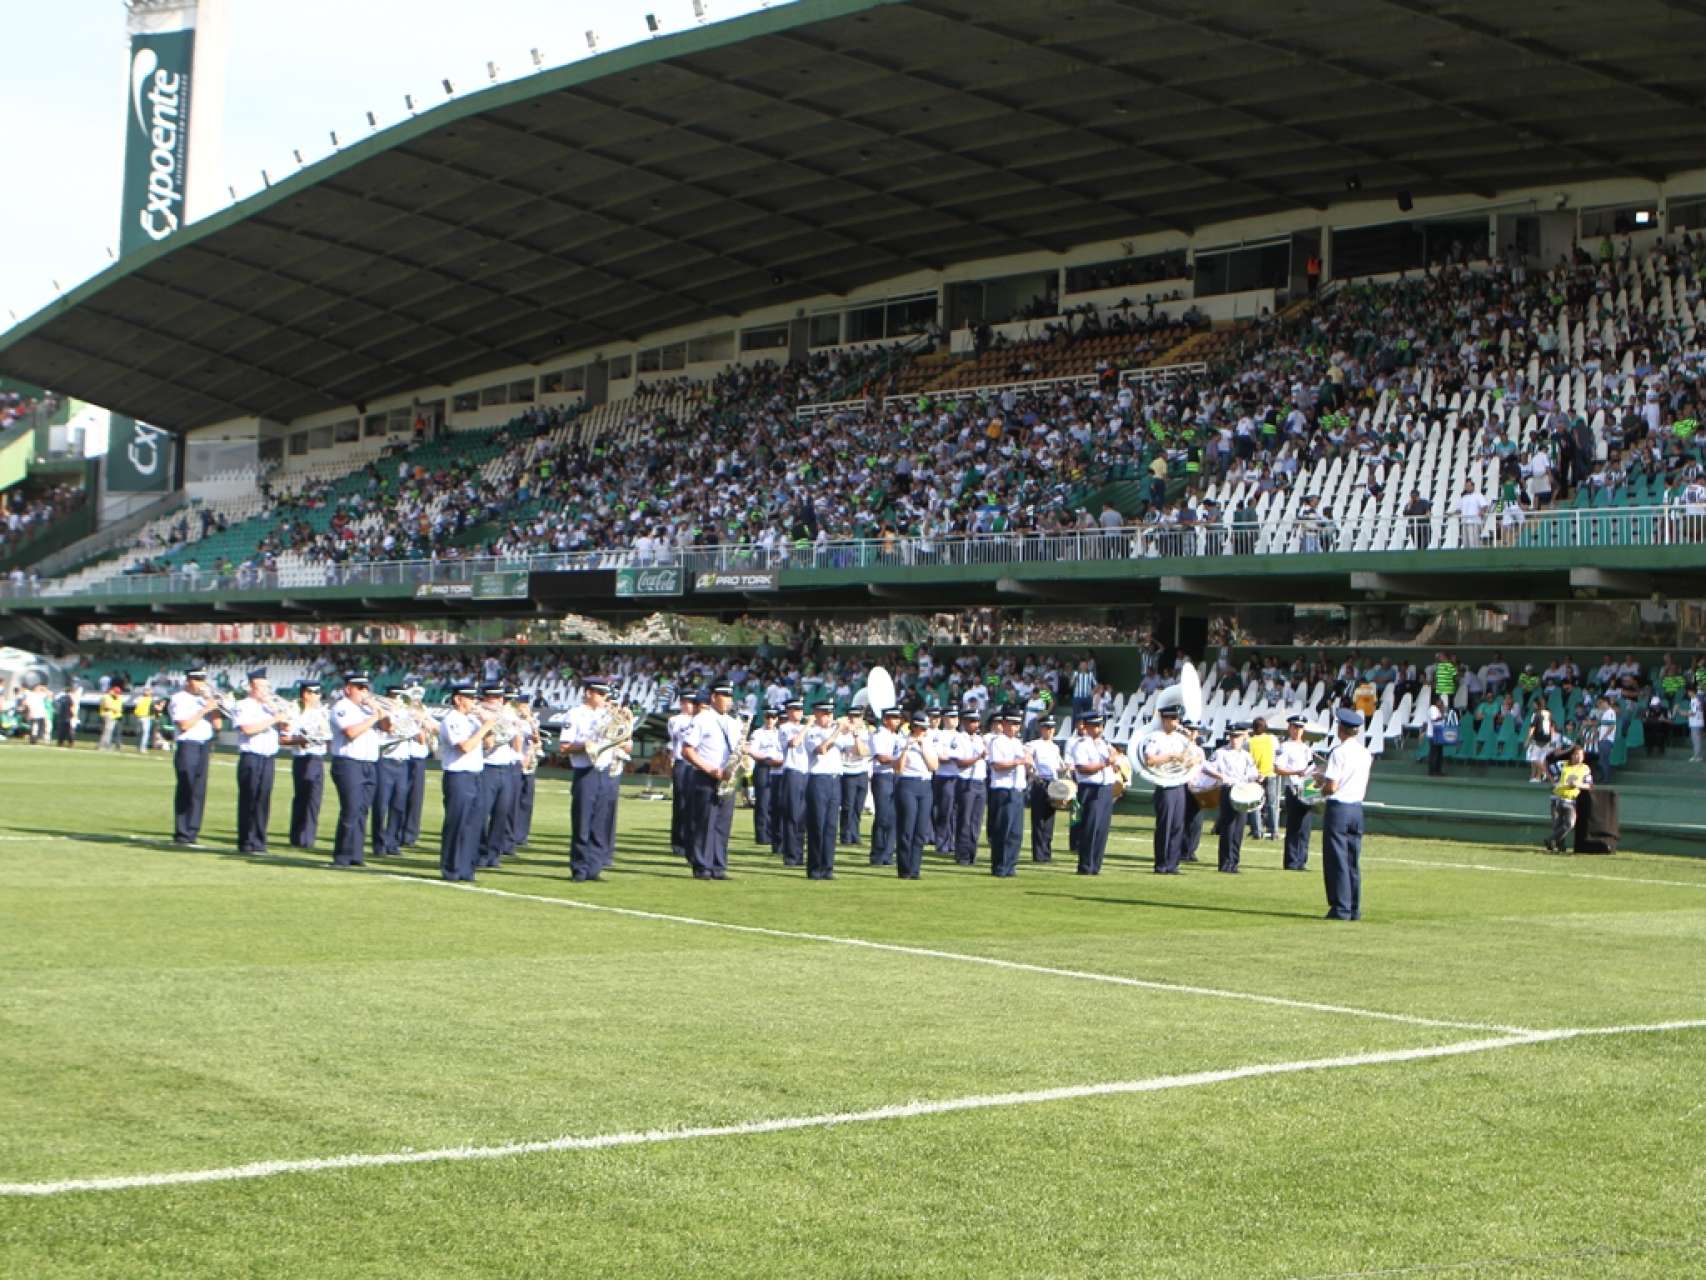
(1193, 827)
(791, 802)
(522, 828)
(190, 764)
(761, 804)
(970, 801)
(592, 815)
(1171, 804)
(390, 795)
(680, 781)
(1096, 809)
(355, 781)
(854, 788)
(308, 784)
(1341, 859)
(1229, 828)
(496, 841)
(1042, 823)
(254, 801)
(883, 820)
(823, 812)
(459, 844)
(709, 820)
(411, 834)
(1299, 817)
(944, 813)
(1007, 829)
(912, 801)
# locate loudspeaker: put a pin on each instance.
(1598, 826)
(1405, 203)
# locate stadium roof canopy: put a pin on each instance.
(830, 144)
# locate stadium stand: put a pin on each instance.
(27, 509)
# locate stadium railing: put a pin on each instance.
(1137, 377)
(1584, 528)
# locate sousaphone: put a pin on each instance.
(1186, 698)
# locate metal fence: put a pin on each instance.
(1588, 528)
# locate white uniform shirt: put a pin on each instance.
(712, 738)
(501, 751)
(1005, 750)
(1295, 756)
(766, 747)
(317, 720)
(852, 763)
(1045, 755)
(978, 744)
(1091, 751)
(793, 746)
(419, 750)
(184, 704)
(885, 742)
(912, 763)
(262, 742)
(346, 712)
(827, 760)
(457, 727)
(1348, 767)
(950, 744)
(677, 731)
(1233, 765)
(582, 725)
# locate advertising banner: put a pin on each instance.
(738, 580)
(648, 582)
(140, 458)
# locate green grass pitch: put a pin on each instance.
(164, 1011)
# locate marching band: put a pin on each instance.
(934, 776)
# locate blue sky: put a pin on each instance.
(296, 70)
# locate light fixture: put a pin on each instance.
(233, 191)
(334, 134)
(492, 70)
(538, 58)
(449, 88)
(652, 23)
(265, 180)
(409, 102)
(372, 123)
(699, 9)
(1353, 182)
(592, 39)
(297, 152)
(1436, 60)
(1643, 217)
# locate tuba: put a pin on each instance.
(1187, 697)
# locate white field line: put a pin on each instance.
(899, 1111)
(1381, 860)
(963, 957)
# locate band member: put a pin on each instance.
(678, 774)
(502, 775)
(1092, 760)
(1008, 786)
(765, 748)
(886, 743)
(420, 751)
(391, 787)
(592, 805)
(1170, 801)
(1202, 793)
(1231, 765)
(310, 734)
(356, 734)
(259, 716)
(1047, 766)
(1344, 781)
(945, 787)
(1574, 777)
(710, 749)
(788, 818)
(461, 750)
(827, 744)
(195, 713)
(856, 783)
(522, 829)
(971, 800)
(915, 771)
(1294, 761)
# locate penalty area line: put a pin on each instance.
(964, 957)
(824, 1120)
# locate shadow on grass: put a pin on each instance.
(1177, 906)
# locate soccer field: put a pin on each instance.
(232, 1066)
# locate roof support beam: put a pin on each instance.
(1613, 582)
(1415, 586)
(1228, 589)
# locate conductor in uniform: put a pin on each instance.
(1294, 761)
(1344, 781)
(195, 714)
(258, 719)
(355, 765)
